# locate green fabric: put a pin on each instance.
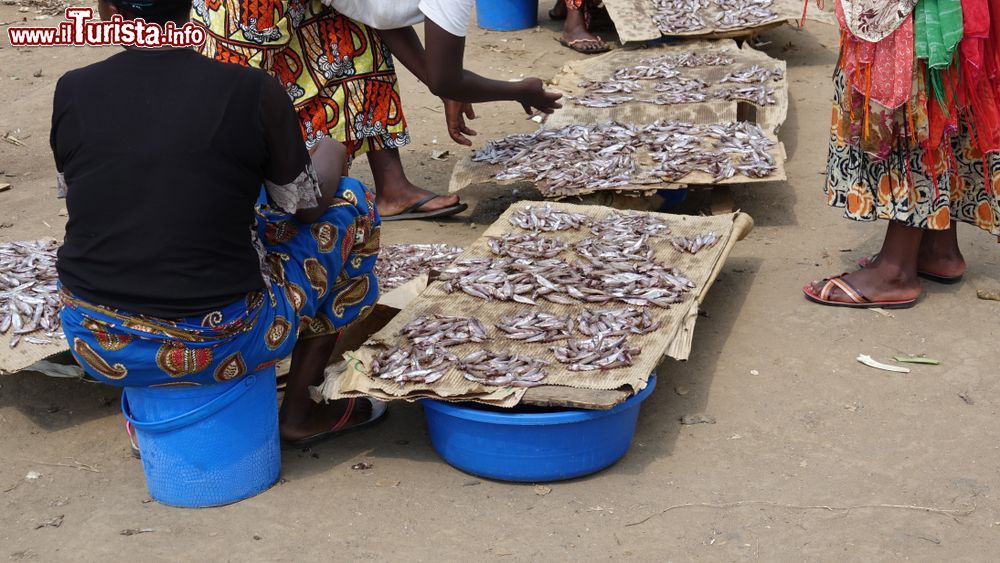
(936, 33)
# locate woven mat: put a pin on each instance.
(673, 338)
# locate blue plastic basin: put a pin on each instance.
(520, 445)
(210, 445)
(506, 15)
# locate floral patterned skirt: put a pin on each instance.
(340, 77)
(879, 170)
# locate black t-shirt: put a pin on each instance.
(162, 154)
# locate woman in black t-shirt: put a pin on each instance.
(170, 273)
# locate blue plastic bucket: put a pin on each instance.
(210, 445)
(506, 15)
(547, 445)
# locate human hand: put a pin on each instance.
(534, 95)
(454, 115)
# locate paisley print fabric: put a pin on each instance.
(874, 20)
(886, 171)
(338, 74)
(311, 293)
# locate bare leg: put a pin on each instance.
(940, 254)
(558, 12)
(893, 277)
(301, 417)
(393, 191)
(575, 32)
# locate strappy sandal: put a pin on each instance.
(946, 280)
(599, 45)
(857, 299)
(379, 409)
(132, 440)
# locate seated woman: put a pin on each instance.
(170, 273)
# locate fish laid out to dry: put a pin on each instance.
(413, 364)
(567, 160)
(635, 224)
(536, 326)
(530, 245)
(678, 16)
(615, 248)
(29, 291)
(693, 244)
(756, 74)
(600, 100)
(545, 219)
(400, 263)
(503, 369)
(444, 331)
(616, 322)
(760, 95)
(597, 353)
(733, 14)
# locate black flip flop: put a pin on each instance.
(411, 212)
(378, 413)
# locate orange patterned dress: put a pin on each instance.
(337, 72)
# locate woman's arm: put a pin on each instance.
(329, 160)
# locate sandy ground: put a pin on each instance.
(801, 425)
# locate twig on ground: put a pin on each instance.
(736, 504)
(75, 465)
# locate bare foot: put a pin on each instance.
(394, 199)
(322, 417)
(878, 282)
(939, 256)
(576, 36)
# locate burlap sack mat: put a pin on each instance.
(673, 338)
(468, 173)
(633, 20)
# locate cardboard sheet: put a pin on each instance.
(673, 338)
(633, 20)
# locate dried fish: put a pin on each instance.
(537, 327)
(612, 86)
(597, 353)
(442, 330)
(600, 100)
(615, 322)
(756, 74)
(678, 16)
(413, 364)
(29, 291)
(546, 219)
(760, 95)
(400, 263)
(503, 369)
(693, 244)
(743, 13)
(526, 245)
(617, 223)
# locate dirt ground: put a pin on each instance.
(800, 424)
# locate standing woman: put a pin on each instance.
(916, 130)
(341, 81)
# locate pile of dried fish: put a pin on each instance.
(566, 160)
(413, 364)
(693, 244)
(678, 16)
(630, 224)
(444, 331)
(530, 245)
(615, 248)
(503, 369)
(613, 86)
(760, 95)
(597, 353)
(721, 149)
(690, 59)
(546, 219)
(600, 100)
(29, 291)
(649, 69)
(537, 327)
(743, 13)
(400, 263)
(679, 90)
(754, 75)
(506, 280)
(615, 322)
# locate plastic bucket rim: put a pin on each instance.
(538, 419)
(192, 416)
